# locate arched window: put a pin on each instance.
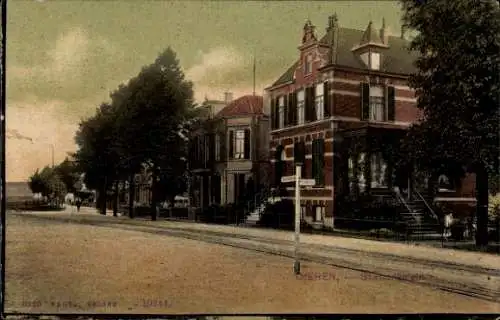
(445, 183)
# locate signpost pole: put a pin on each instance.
(296, 265)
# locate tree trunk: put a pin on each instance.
(153, 196)
(115, 200)
(482, 206)
(131, 196)
(103, 198)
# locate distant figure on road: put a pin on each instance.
(78, 204)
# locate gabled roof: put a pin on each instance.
(248, 105)
(395, 59)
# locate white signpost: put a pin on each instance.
(298, 183)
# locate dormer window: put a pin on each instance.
(308, 64)
(371, 60)
(374, 60)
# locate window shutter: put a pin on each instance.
(273, 113)
(318, 161)
(321, 162)
(326, 99)
(313, 103)
(211, 147)
(315, 160)
(277, 114)
(391, 104)
(278, 166)
(307, 105)
(286, 111)
(365, 101)
(231, 144)
(293, 108)
(223, 149)
(247, 144)
(290, 109)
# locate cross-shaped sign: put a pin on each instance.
(303, 182)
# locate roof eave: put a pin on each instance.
(363, 71)
(280, 85)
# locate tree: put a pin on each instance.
(96, 156)
(458, 90)
(49, 183)
(36, 183)
(151, 110)
(68, 171)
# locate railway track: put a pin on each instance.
(376, 264)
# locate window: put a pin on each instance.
(281, 110)
(375, 61)
(361, 172)
(378, 171)
(445, 183)
(350, 174)
(377, 104)
(308, 64)
(319, 213)
(217, 147)
(300, 107)
(319, 101)
(239, 144)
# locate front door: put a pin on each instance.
(239, 187)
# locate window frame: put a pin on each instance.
(239, 143)
(301, 107)
(281, 112)
(322, 211)
(308, 63)
(376, 103)
(372, 55)
(319, 101)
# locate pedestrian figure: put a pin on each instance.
(78, 204)
(448, 220)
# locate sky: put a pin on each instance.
(64, 57)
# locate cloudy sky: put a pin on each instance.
(65, 57)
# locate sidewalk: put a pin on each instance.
(400, 249)
(451, 256)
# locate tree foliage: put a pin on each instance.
(69, 174)
(140, 127)
(458, 90)
(47, 182)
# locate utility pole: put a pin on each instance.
(298, 173)
(52, 152)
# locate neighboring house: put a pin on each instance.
(229, 151)
(346, 100)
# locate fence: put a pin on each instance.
(458, 235)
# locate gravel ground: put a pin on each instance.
(65, 268)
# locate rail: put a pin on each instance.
(402, 200)
(434, 215)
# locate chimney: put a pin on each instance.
(332, 33)
(403, 31)
(228, 97)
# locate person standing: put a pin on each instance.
(78, 204)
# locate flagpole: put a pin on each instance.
(254, 73)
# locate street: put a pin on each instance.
(67, 262)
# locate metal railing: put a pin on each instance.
(433, 214)
(403, 201)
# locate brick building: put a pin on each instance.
(347, 100)
(229, 151)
